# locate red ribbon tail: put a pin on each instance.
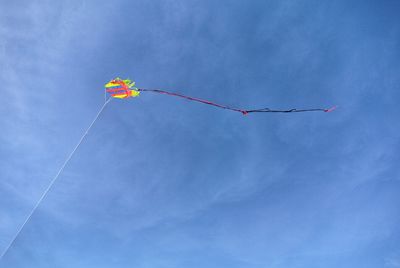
(331, 109)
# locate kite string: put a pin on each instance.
(52, 182)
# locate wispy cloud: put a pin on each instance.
(164, 182)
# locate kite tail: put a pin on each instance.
(244, 112)
(331, 109)
(193, 99)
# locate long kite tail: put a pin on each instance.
(244, 112)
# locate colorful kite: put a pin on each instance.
(122, 89)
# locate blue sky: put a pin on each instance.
(162, 182)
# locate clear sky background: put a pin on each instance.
(163, 182)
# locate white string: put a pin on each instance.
(53, 181)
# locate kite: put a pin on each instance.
(122, 89)
(125, 88)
